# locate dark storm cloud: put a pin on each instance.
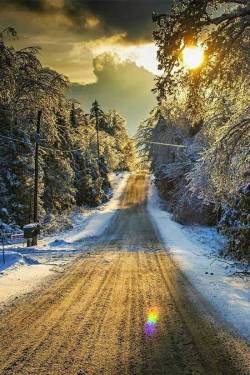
(32, 5)
(115, 16)
(131, 17)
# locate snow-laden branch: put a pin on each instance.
(241, 2)
(238, 13)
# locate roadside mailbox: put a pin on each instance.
(31, 231)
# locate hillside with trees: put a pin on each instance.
(72, 171)
(206, 110)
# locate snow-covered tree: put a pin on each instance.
(69, 171)
(207, 106)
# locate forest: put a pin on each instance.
(77, 150)
(205, 111)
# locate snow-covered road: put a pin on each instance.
(122, 308)
(195, 249)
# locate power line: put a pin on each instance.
(45, 147)
(16, 140)
(81, 149)
(166, 144)
(60, 150)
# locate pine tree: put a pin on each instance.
(97, 114)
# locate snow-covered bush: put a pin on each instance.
(235, 222)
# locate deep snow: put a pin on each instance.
(196, 248)
(25, 268)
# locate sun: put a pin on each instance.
(193, 57)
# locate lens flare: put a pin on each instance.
(149, 329)
(152, 319)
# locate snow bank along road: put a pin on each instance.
(123, 308)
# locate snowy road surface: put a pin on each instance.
(123, 308)
(195, 249)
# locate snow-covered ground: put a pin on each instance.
(101, 218)
(25, 268)
(196, 250)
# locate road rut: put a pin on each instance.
(93, 318)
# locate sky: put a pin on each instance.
(88, 39)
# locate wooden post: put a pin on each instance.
(3, 249)
(37, 139)
(97, 133)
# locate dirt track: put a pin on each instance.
(91, 320)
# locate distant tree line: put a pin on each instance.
(70, 170)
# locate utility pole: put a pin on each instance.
(97, 130)
(3, 238)
(37, 140)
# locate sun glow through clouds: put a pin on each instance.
(144, 55)
(193, 57)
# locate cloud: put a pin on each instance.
(144, 55)
(34, 5)
(118, 16)
(72, 32)
(100, 17)
(120, 85)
